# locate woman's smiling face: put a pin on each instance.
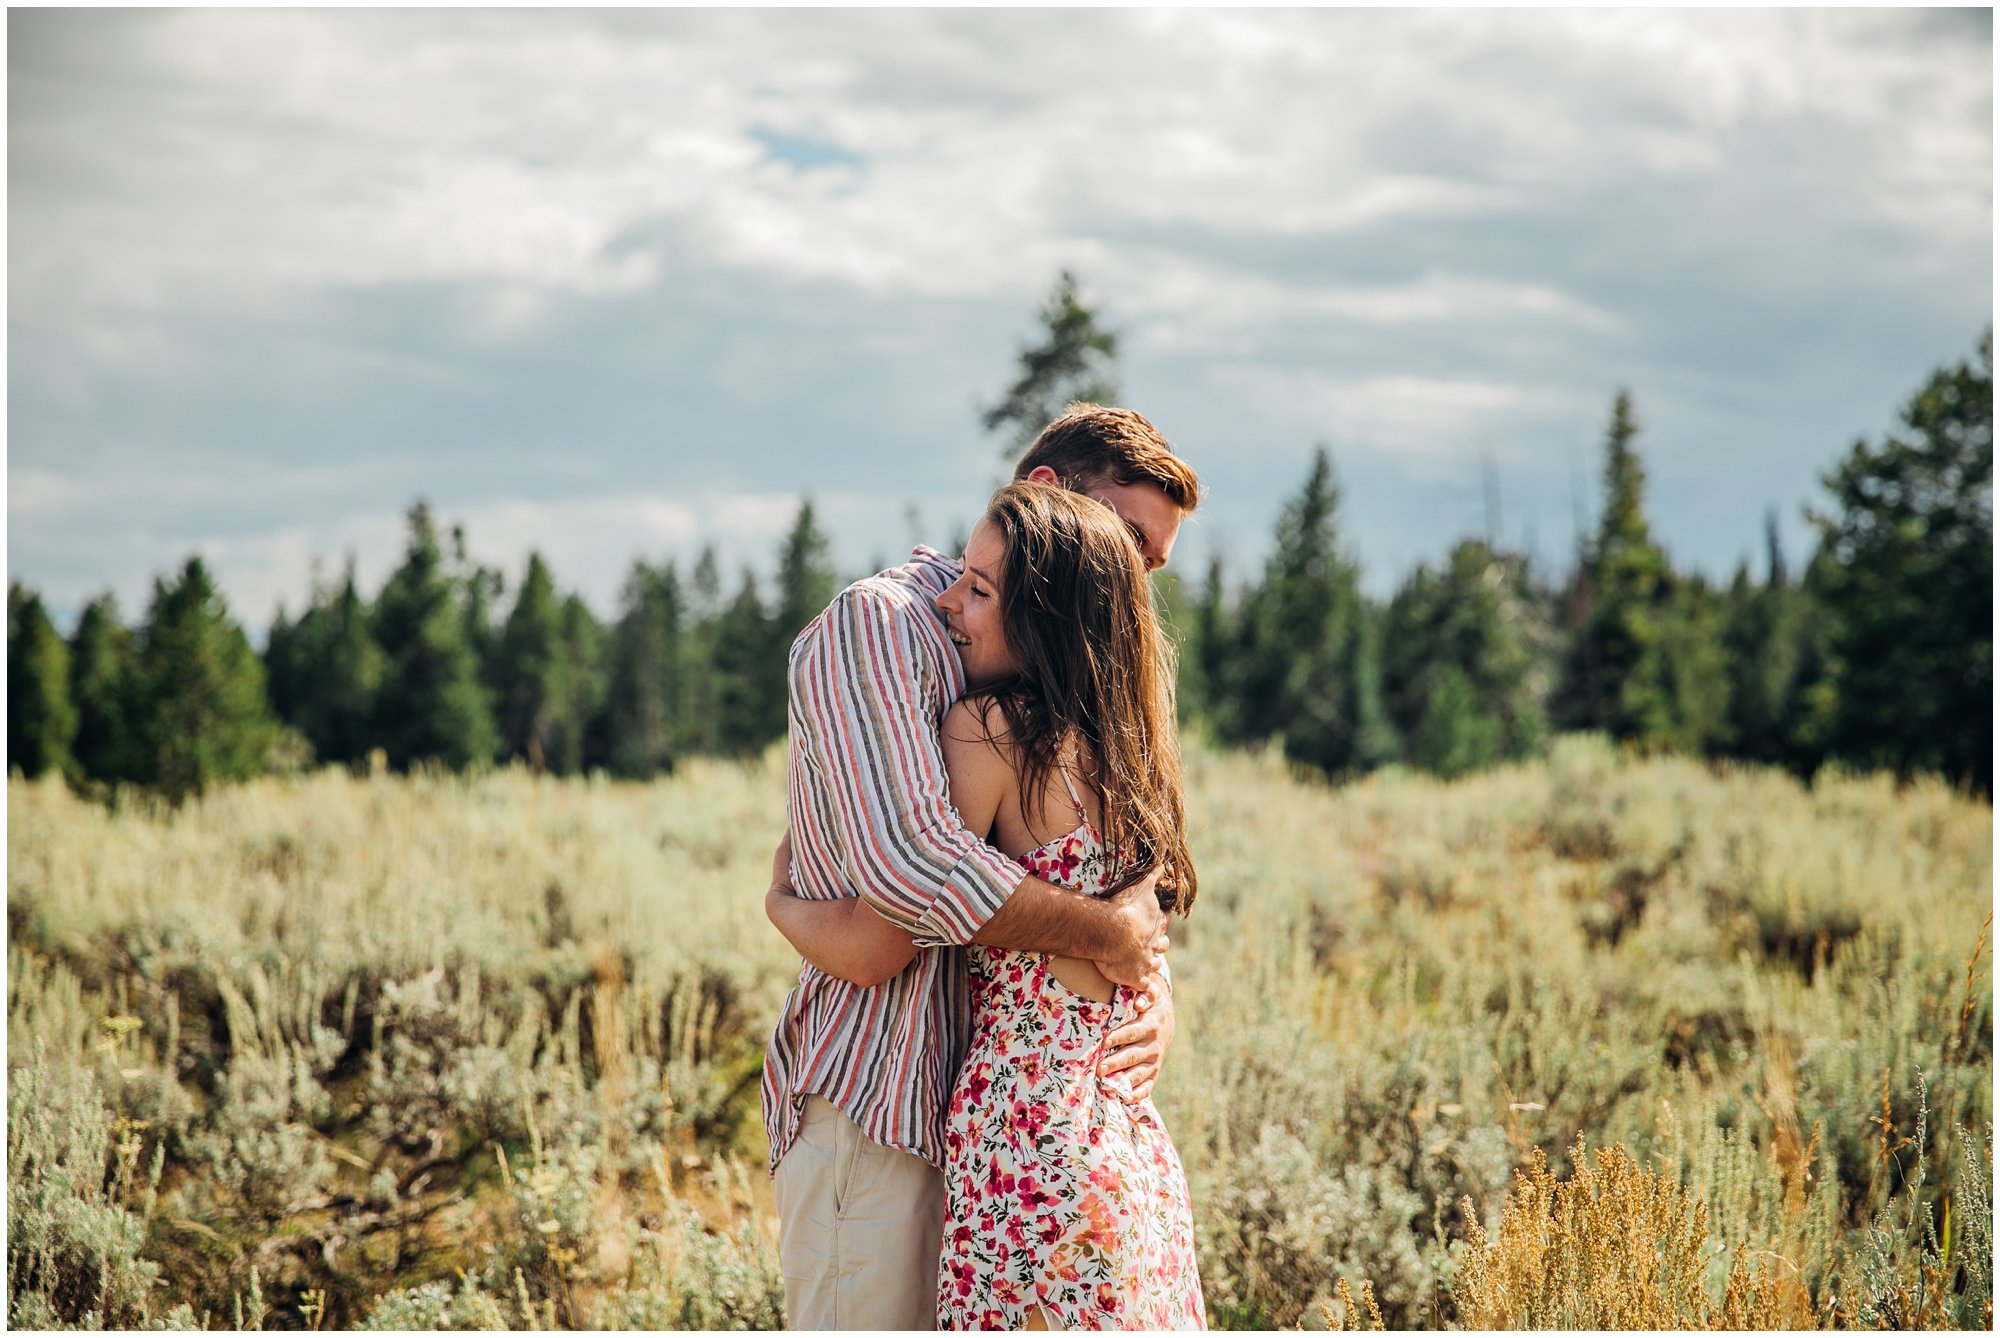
(972, 609)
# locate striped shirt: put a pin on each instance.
(871, 814)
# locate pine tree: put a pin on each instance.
(806, 581)
(1695, 666)
(41, 721)
(102, 668)
(1776, 577)
(1762, 652)
(1479, 623)
(1177, 620)
(480, 590)
(645, 675)
(201, 712)
(1909, 584)
(432, 706)
(1205, 661)
(1307, 665)
(1366, 738)
(1812, 705)
(700, 730)
(572, 746)
(745, 718)
(1075, 361)
(1452, 735)
(1297, 616)
(1616, 675)
(325, 672)
(531, 671)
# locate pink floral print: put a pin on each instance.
(1059, 1194)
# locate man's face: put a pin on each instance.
(1154, 518)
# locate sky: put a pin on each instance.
(618, 284)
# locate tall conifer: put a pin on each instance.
(574, 747)
(325, 672)
(41, 720)
(747, 713)
(806, 580)
(1616, 674)
(102, 668)
(1909, 583)
(645, 675)
(1075, 360)
(202, 714)
(531, 670)
(432, 706)
(1479, 624)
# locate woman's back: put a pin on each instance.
(1066, 1204)
(1057, 832)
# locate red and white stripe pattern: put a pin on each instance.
(871, 814)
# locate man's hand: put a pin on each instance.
(1145, 932)
(1136, 1050)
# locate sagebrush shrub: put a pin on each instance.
(357, 997)
(73, 1182)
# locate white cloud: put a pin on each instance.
(1190, 305)
(212, 152)
(1434, 427)
(469, 236)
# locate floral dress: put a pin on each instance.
(1058, 1194)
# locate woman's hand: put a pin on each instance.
(781, 865)
(1136, 1050)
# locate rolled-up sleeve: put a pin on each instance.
(864, 691)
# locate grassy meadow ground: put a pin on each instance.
(427, 1052)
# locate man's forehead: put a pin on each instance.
(1136, 501)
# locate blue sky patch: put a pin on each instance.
(803, 153)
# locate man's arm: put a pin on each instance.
(857, 683)
(1126, 934)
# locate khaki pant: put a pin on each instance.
(859, 1228)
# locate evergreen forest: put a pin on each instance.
(1878, 654)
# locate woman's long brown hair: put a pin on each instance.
(1076, 608)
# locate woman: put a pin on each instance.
(1066, 1205)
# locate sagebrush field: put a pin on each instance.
(427, 1052)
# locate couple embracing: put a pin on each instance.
(985, 841)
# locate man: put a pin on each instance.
(859, 1072)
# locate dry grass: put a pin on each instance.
(1613, 1247)
(335, 1005)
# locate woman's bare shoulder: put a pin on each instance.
(979, 764)
(977, 720)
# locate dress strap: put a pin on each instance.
(1075, 799)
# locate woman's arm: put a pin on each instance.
(842, 937)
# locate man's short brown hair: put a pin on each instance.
(1091, 444)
